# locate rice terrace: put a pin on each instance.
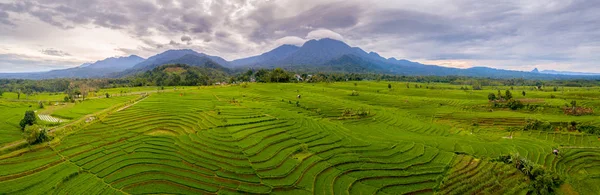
(300, 97)
(304, 138)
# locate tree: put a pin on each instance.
(389, 86)
(107, 95)
(508, 95)
(28, 92)
(514, 104)
(491, 96)
(35, 134)
(524, 93)
(499, 96)
(574, 106)
(29, 119)
(539, 85)
(19, 94)
(543, 182)
(40, 105)
(279, 75)
(476, 85)
(1, 92)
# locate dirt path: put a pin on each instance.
(127, 106)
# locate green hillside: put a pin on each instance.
(326, 138)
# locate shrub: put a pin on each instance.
(107, 95)
(28, 119)
(538, 125)
(524, 93)
(542, 180)
(40, 105)
(514, 104)
(491, 96)
(304, 147)
(348, 112)
(508, 95)
(589, 129)
(354, 93)
(35, 134)
(389, 86)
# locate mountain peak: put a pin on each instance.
(284, 48)
(134, 56)
(325, 41)
(535, 70)
(374, 54)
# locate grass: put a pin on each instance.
(11, 114)
(262, 139)
(79, 109)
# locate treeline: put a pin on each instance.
(57, 85)
(281, 75)
(179, 75)
(184, 75)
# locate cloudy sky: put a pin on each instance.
(37, 35)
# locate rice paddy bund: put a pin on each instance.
(326, 138)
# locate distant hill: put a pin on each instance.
(98, 69)
(183, 56)
(333, 55)
(323, 55)
(565, 72)
(182, 74)
(199, 61)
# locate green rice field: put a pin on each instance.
(291, 138)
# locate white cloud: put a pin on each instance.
(510, 34)
(290, 40)
(324, 33)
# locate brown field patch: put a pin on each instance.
(531, 100)
(174, 70)
(162, 132)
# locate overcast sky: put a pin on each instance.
(37, 35)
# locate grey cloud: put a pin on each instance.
(4, 19)
(455, 29)
(174, 43)
(331, 16)
(22, 63)
(186, 38)
(55, 52)
(222, 34)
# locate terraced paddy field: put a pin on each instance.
(10, 115)
(263, 139)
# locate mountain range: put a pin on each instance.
(101, 68)
(565, 72)
(323, 55)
